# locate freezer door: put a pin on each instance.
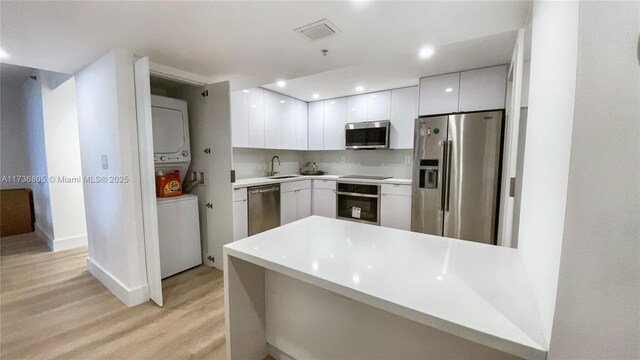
(473, 175)
(428, 159)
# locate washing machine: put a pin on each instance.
(178, 220)
(179, 232)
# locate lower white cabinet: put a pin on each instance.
(240, 215)
(295, 201)
(324, 198)
(395, 206)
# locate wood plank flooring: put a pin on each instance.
(51, 307)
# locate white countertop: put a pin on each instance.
(475, 291)
(242, 183)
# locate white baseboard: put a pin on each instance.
(278, 354)
(69, 242)
(45, 237)
(130, 297)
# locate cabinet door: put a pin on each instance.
(288, 207)
(357, 108)
(256, 118)
(483, 89)
(304, 203)
(439, 94)
(324, 202)
(288, 115)
(301, 125)
(316, 125)
(240, 119)
(379, 106)
(240, 220)
(335, 118)
(394, 210)
(272, 120)
(404, 111)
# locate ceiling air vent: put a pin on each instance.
(318, 30)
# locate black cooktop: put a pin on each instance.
(366, 177)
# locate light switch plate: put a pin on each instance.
(343, 159)
(407, 160)
(105, 161)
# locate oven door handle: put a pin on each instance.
(358, 194)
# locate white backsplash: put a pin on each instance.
(251, 163)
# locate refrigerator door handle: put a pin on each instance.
(444, 174)
(449, 144)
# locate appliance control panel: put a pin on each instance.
(172, 158)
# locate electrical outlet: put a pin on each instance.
(105, 161)
(407, 160)
(343, 159)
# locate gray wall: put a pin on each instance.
(598, 303)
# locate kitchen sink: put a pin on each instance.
(283, 177)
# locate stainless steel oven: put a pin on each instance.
(358, 202)
(367, 135)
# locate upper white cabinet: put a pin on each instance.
(473, 90)
(483, 89)
(288, 125)
(357, 108)
(404, 110)
(256, 117)
(301, 110)
(272, 120)
(240, 118)
(439, 94)
(316, 125)
(379, 106)
(335, 118)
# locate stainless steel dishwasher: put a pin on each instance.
(264, 208)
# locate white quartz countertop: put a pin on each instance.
(242, 183)
(475, 291)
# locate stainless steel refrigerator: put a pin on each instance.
(456, 175)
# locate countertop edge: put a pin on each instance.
(264, 181)
(477, 336)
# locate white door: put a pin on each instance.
(335, 118)
(272, 120)
(316, 125)
(439, 94)
(288, 115)
(301, 125)
(288, 207)
(256, 117)
(379, 106)
(240, 118)
(324, 202)
(304, 203)
(404, 111)
(147, 179)
(357, 108)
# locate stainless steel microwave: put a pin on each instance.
(367, 135)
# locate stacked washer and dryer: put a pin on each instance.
(178, 221)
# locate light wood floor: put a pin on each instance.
(52, 308)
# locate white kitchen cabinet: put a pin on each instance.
(395, 206)
(379, 106)
(240, 119)
(256, 117)
(404, 111)
(335, 118)
(301, 110)
(324, 198)
(357, 108)
(483, 89)
(272, 120)
(439, 94)
(288, 117)
(316, 125)
(240, 215)
(295, 201)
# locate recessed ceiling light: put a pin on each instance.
(282, 101)
(315, 96)
(281, 83)
(426, 52)
(245, 91)
(448, 90)
(373, 95)
(359, 88)
(3, 54)
(333, 102)
(253, 105)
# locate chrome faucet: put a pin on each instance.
(273, 172)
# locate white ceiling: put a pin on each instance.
(249, 43)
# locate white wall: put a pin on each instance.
(13, 136)
(63, 162)
(598, 305)
(107, 126)
(547, 148)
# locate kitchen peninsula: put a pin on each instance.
(328, 288)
